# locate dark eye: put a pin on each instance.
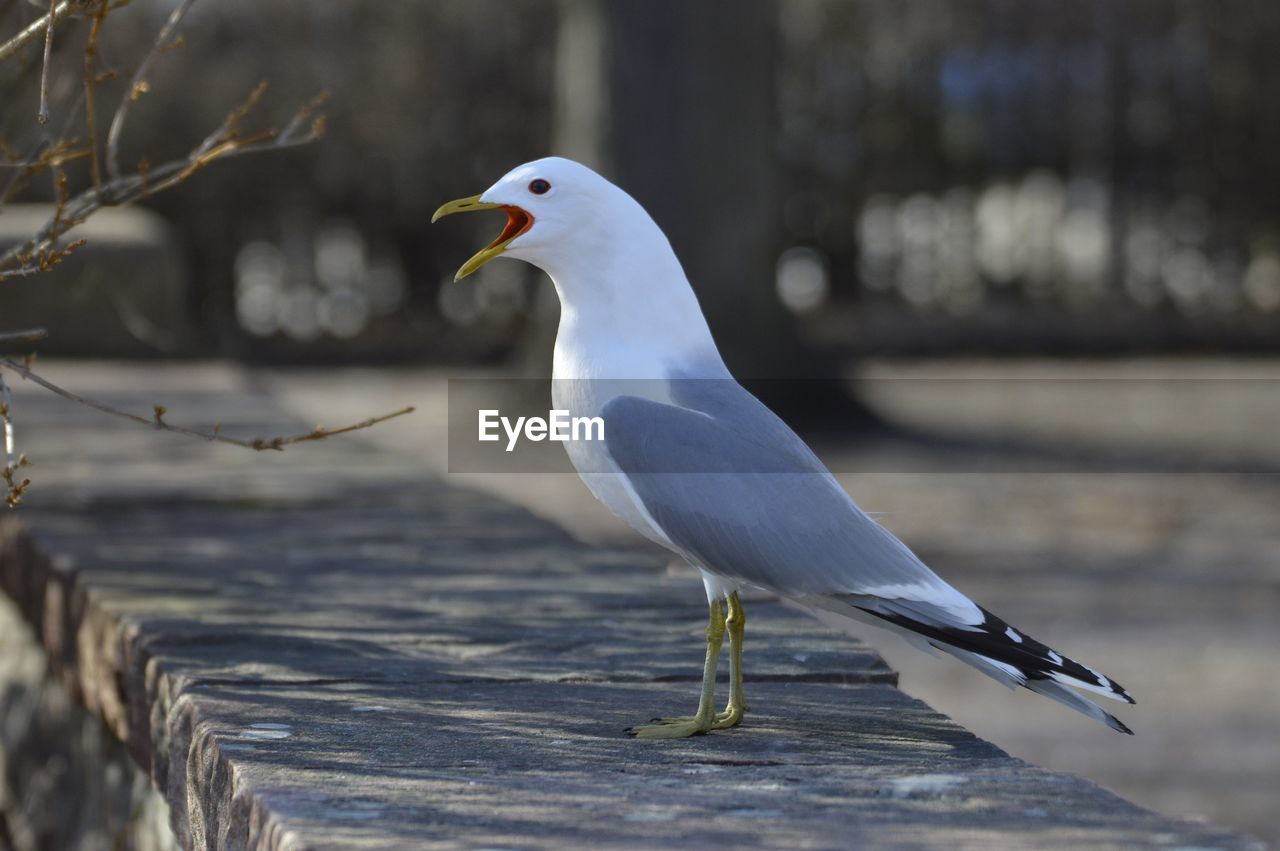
(539, 186)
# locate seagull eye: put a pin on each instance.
(539, 186)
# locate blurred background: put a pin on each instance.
(905, 178)
(863, 192)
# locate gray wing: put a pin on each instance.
(732, 485)
(741, 494)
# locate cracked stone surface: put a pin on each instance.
(328, 648)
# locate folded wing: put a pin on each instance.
(742, 496)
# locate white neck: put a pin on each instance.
(627, 310)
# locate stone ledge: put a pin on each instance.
(338, 652)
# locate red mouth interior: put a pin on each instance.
(518, 221)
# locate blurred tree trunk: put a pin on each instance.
(691, 136)
(674, 101)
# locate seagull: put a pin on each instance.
(695, 463)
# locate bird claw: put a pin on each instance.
(689, 725)
(731, 717)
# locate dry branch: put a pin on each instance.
(33, 30)
(14, 487)
(90, 81)
(226, 141)
(156, 420)
(22, 338)
(43, 114)
(139, 84)
(60, 154)
(114, 188)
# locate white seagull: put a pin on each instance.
(694, 462)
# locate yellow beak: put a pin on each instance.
(518, 221)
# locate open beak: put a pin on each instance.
(518, 221)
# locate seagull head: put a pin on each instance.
(612, 266)
(559, 214)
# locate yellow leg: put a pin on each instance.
(706, 719)
(736, 623)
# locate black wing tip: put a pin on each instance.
(999, 641)
(1116, 724)
(1051, 659)
(1116, 689)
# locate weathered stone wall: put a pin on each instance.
(66, 783)
(331, 649)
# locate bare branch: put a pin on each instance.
(22, 338)
(139, 85)
(63, 152)
(5, 401)
(307, 115)
(90, 80)
(14, 487)
(41, 156)
(31, 31)
(50, 154)
(42, 250)
(43, 114)
(156, 420)
(229, 129)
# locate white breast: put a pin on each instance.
(582, 388)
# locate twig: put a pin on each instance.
(156, 420)
(14, 487)
(31, 31)
(42, 115)
(41, 156)
(5, 401)
(22, 338)
(43, 251)
(90, 79)
(63, 152)
(226, 141)
(307, 114)
(139, 85)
